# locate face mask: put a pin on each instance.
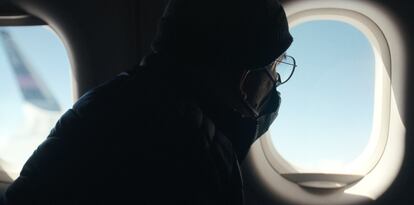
(247, 115)
(244, 131)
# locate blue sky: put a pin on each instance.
(326, 111)
(327, 106)
(45, 52)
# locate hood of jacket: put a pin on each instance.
(235, 34)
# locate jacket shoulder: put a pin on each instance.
(105, 94)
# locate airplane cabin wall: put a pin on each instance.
(100, 36)
(400, 191)
(106, 37)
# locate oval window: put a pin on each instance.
(35, 90)
(326, 117)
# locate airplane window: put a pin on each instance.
(35, 89)
(326, 116)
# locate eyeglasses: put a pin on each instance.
(282, 69)
(256, 84)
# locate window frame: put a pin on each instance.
(380, 125)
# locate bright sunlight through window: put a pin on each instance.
(35, 90)
(325, 120)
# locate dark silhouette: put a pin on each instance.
(174, 129)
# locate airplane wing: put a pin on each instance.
(33, 89)
(40, 112)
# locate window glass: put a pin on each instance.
(325, 118)
(35, 89)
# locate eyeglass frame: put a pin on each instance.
(273, 77)
(273, 69)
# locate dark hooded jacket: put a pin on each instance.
(145, 137)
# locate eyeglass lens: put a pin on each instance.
(285, 68)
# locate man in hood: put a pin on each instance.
(174, 129)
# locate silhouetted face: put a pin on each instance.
(254, 89)
(253, 100)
